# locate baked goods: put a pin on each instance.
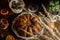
(26, 25)
(4, 11)
(4, 23)
(10, 37)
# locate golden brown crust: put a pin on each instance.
(10, 37)
(30, 30)
(28, 23)
(4, 12)
(26, 30)
(52, 25)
